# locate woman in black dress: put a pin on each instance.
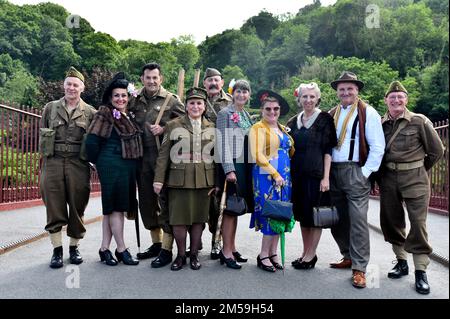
(314, 137)
(114, 144)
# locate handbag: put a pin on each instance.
(277, 209)
(325, 216)
(235, 204)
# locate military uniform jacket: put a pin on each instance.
(418, 140)
(146, 110)
(69, 129)
(181, 163)
(217, 103)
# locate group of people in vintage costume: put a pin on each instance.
(179, 157)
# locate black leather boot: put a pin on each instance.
(400, 269)
(422, 286)
(164, 258)
(56, 261)
(152, 251)
(75, 256)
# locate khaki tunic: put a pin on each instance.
(146, 110)
(185, 165)
(217, 103)
(417, 141)
(64, 176)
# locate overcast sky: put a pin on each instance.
(157, 21)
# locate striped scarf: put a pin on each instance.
(344, 125)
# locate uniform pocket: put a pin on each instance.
(210, 173)
(47, 142)
(176, 175)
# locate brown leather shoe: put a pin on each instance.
(358, 279)
(342, 264)
(178, 263)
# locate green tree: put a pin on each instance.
(99, 50)
(264, 23)
(216, 51)
(232, 72)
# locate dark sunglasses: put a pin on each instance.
(268, 109)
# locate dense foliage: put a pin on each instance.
(380, 40)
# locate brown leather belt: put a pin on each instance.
(404, 166)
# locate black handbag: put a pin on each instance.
(325, 216)
(235, 204)
(277, 209)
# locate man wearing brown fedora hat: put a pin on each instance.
(358, 154)
(217, 100)
(413, 147)
(65, 172)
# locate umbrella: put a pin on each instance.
(223, 205)
(136, 225)
(281, 227)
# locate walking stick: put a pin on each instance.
(223, 205)
(136, 225)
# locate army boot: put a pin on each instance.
(56, 261)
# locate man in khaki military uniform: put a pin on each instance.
(65, 172)
(217, 100)
(412, 148)
(146, 106)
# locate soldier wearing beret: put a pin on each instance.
(65, 172)
(412, 148)
(153, 101)
(217, 100)
(189, 175)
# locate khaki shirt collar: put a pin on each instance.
(406, 115)
(143, 96)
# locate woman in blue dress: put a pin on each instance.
(271, 147)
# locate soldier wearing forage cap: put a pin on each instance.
(412, 148)
(217, 100)
(65, 171)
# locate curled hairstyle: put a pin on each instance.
(308, 86)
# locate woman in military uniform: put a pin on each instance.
(185, 165)
(114, 143)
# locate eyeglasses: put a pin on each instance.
(399, 97)
(275, 109)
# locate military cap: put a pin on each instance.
(211, 72)
(347, 77)
(395, 86)
(74, 73)
(196, 93)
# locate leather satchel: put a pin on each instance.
(277, 209)
(325, 216)
(235, 204)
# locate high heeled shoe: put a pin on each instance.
(307, 264)
(275, 264)
(264, 267)
(230, 262)
(239, 257)
(297, 261)
(126, 258)
(107, 257)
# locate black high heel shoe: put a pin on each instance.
(107, 257)
(230, 262)
(239, 257)
(264, 267)
(275, 264)
(126, 258)
(297, 261)
(307, 264)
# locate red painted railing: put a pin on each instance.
(19, 167)
(19, 154)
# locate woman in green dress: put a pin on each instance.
(114, 144)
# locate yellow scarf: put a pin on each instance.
(344, 125)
